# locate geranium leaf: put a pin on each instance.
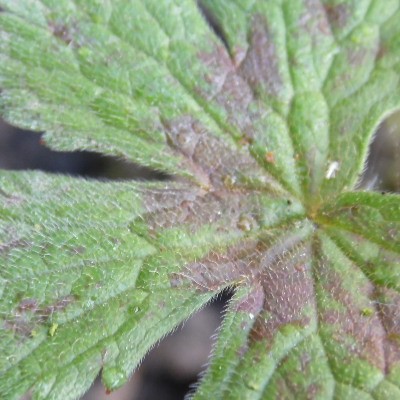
(119, 258)
(327, 70)
(74, 257)
(261, 113)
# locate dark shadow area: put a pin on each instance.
(22, 150)
(382, 172)
(213, 23)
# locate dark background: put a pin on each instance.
(173, 366)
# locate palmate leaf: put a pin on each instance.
(264, 131)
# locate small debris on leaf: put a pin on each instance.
(270, 157)
(53, 329)
(245, 223)
(333, 168)
(229, 181)
(367, 312)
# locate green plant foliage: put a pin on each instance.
(265, 130)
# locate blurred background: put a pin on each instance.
(173, 366)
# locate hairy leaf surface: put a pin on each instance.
(261, 112)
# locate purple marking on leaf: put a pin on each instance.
(253, 302)
(315, 20)
(338, 14)
(388, 306)
(5, 248)
(208, 157)
(217, 208)
(218, 65)
(218, 269)
(28, 305)
(60, 305)
(350, 328)
(288, 289)
(29, 313)
(272, 266)
(229, 89)
(260, 66)
(62, 32)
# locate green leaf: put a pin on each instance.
(79, 255)
(327, 70)
(73, 259)
(264, 130)
(327, 315)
